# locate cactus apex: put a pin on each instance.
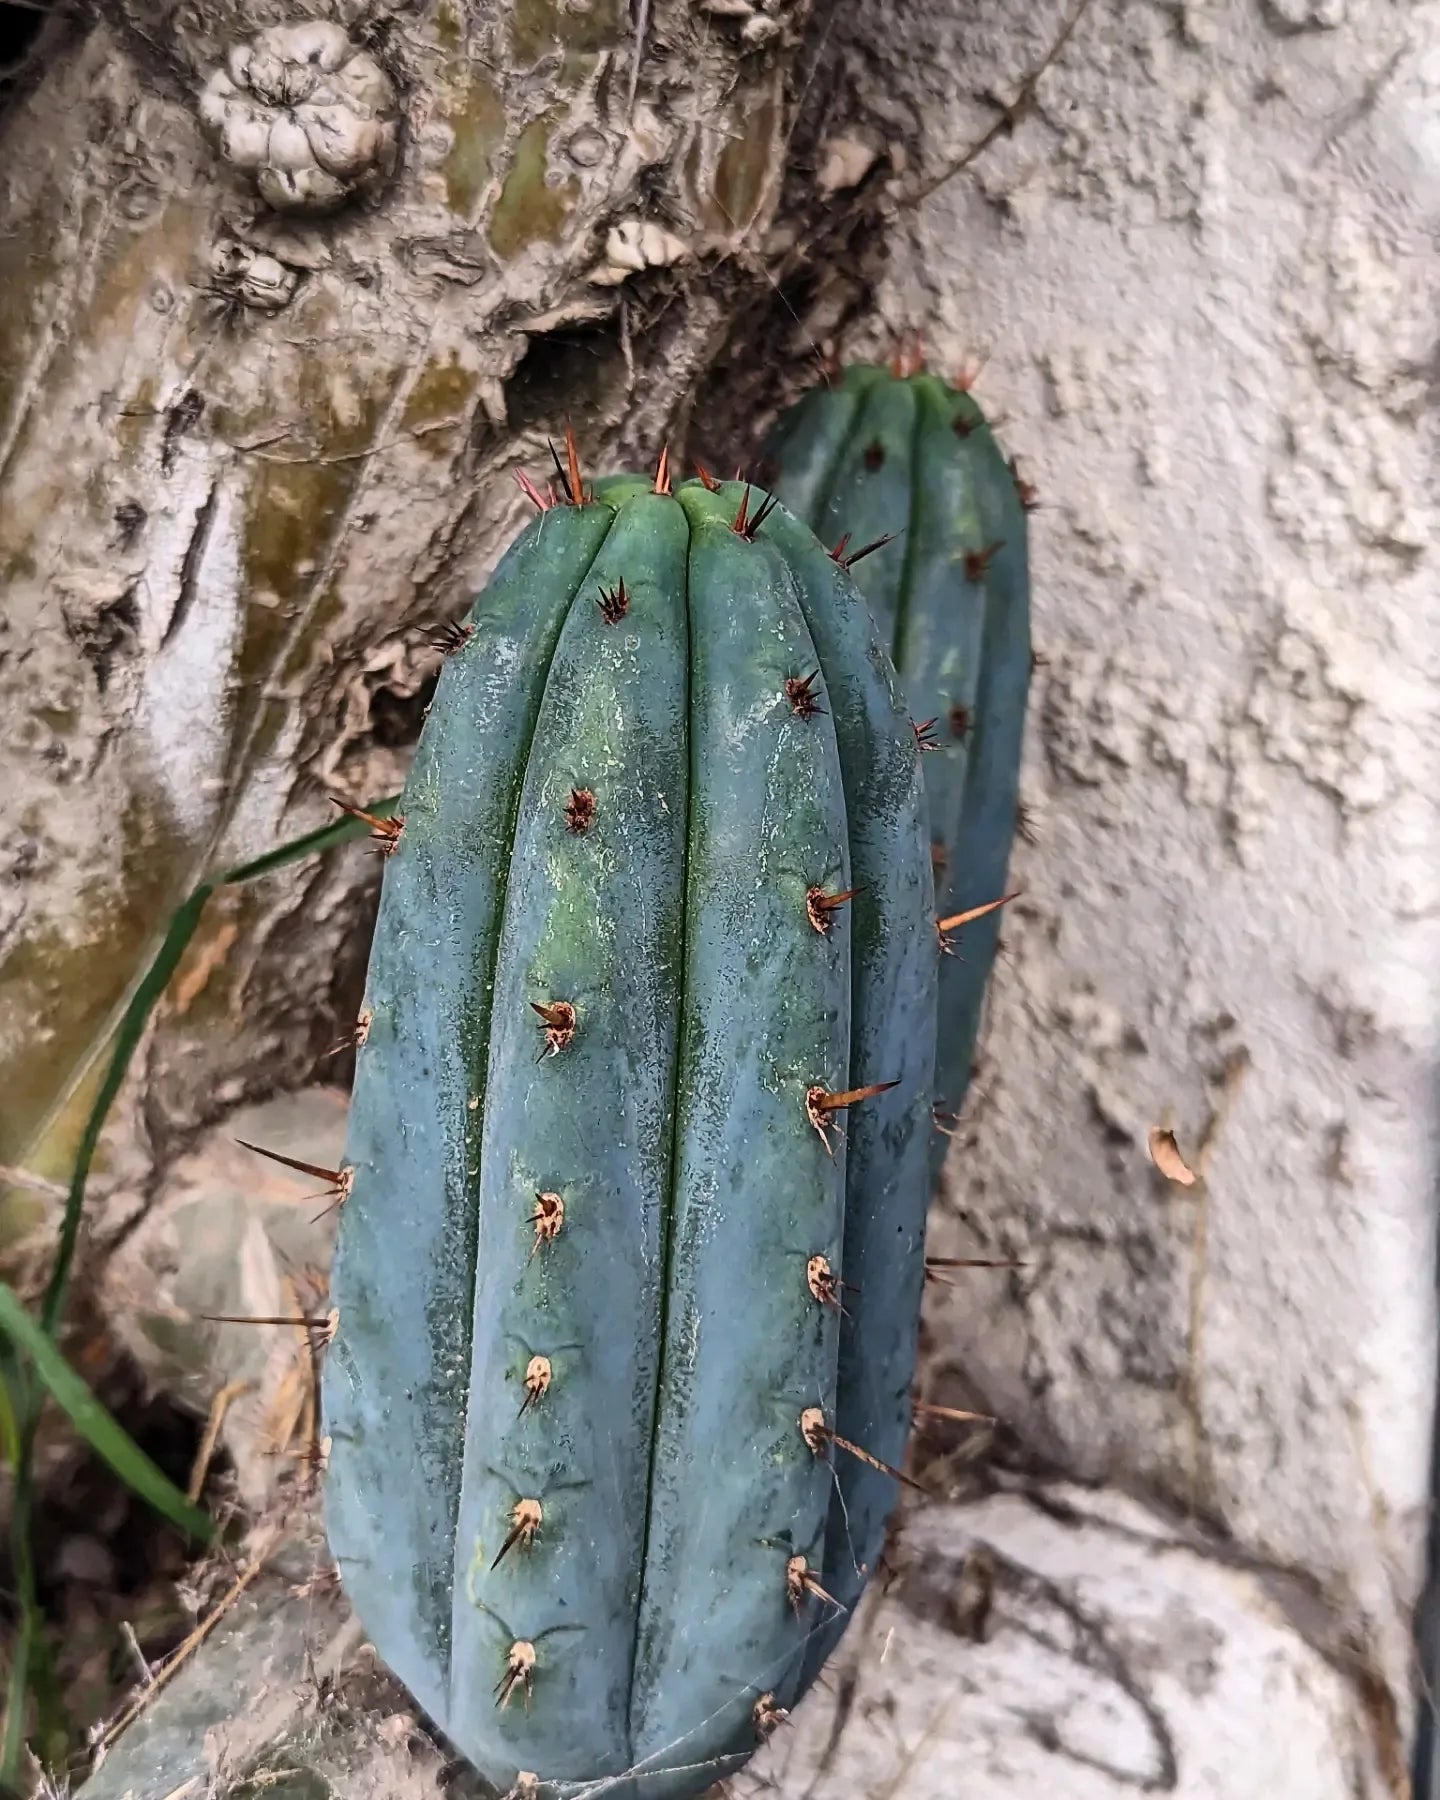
(538, 1373)
(519, 1673)
(385, 832)
(525, 1518)
(558, 1020)
(821, 907)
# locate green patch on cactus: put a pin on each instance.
(588, 1272)
(477, 124)
(542, 25)
(880, 455)
(529, 210)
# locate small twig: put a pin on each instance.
(34, 1184)
(132, 1644)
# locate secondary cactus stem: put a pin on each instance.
(580, 810)
(943, 927)
(385, 832)
(547, 1218)
(558, 1019)
(848, 561)
(525, 1517)
(800, 692)
(519, 1673)
(976, 562)
(820, 1103)
(537, 1382)
(801, 1580)
(819, 1437)
(662, 472)
(746, 523)
(822, 907)
(339, 1181)
(768, 1716)
(925, 738)
(614, 603)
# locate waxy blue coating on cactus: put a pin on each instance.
(880, 454)
(580, 1318)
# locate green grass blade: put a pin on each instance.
(104, 1436)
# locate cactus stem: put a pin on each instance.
(819, 1437)
(572, 482)
(338, 1181)
(547, 1218)
(543, 502)
(768, 1716)
(821, 907)
(707, 480)
(960, 722)
(519, 1673)
(848, 561)
(662, 472)
(800, 1580)
(976, 562)
(925, 738)
(580, 810)
(385, 832)
(537, 1383)
(820, 1103)
(746, 523)
(525, 1518)
(943, 927)
(614, 603)
(800, 692)
(453, 635)
(558, 1019)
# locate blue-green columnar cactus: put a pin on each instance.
(632, 1244)
(882, 455)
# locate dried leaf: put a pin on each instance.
(1165, 1154)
